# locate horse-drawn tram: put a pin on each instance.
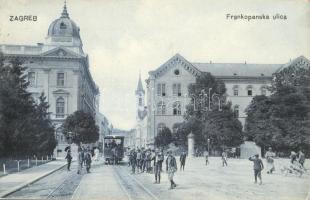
(113, 149)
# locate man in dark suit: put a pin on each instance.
(171, 167)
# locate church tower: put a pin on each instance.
(140, 103)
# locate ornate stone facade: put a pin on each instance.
(60, 69)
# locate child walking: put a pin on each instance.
(258, 167)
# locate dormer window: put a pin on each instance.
(63, 25)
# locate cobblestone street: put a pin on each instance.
(198, 181)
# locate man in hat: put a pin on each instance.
(258, 167)
(69, 159)
(182, 160)
(171, 167)
(158, 160)
(270, 161)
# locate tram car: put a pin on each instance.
(113, 150)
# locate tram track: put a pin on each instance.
(131, 186)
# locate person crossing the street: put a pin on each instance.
(69, 159)
(171, 167)
(182, 160)
(158, 160)
(258, 167)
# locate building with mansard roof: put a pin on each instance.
(59, 68)
(167, 88)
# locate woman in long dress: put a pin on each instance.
(270, 161)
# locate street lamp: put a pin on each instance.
(209, 146)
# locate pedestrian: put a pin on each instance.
(171, 167)
(301, 158)
(182, 160)
(158, 160)
(270, 161)
(138, 160)
(80, 160)
(206, 155)
(142, 162)
(258, 167)
(224, 158)
(88, 160)
(293, 157)
(96, 152)
(69, 159)
(133, 157)
(148, 160)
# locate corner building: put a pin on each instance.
(167, 88)
(60, 69)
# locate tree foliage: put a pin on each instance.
(210, 116)
(21, 124)
(82, 127)
(164, 137)
(282, 120)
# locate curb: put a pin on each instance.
(19, 187)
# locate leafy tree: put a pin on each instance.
(283, 119)
(164, 138)
(82, 127)
(209, 115)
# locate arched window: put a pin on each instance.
(176, 108)
(160, 127)
(161, 108)
(236, 111)
(60, 108)
(250, 90)
(140, 101)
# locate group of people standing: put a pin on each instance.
(84, 158)
(151, 161)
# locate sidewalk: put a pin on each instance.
(13, 182)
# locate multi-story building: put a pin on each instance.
(60, 69)
(167, 88)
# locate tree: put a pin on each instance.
(209, 115)
(283, 119)
(16, 110)
(82, 126)
(45, 141)
(164, 138)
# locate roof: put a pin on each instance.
(238, 69)
(140, 86)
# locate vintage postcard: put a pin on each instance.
(155, 99)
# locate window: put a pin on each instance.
(60, 108)
(177, 108)
(236, 90)
(160, 127)
(63, 25)
(31, 79)
(176, 89)
(161, 108)
(236, 111)
(250, 90)
(177, 72)
(161, 89)
(60, 79)
(140, 101)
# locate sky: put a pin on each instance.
(123, 37)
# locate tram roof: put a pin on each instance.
(113, 136)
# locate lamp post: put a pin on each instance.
(209, 146)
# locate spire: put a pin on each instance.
(64, 13)
(140, 86)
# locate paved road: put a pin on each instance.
(112, 182)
